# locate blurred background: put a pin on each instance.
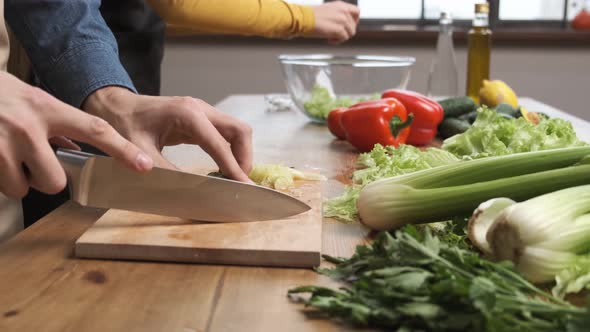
(535, 50)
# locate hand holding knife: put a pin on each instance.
(103, 182)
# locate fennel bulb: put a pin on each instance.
(546, 237)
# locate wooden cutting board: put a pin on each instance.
(291, 242)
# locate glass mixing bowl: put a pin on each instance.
(317, 83)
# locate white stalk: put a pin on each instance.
(541, 265)
(481, 220)
(545, 235)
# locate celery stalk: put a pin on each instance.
(492, 168)
(456, 190)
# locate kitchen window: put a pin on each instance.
(421, 13)
(519, 22)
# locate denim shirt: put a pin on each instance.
(72, 50)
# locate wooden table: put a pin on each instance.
(44, 288)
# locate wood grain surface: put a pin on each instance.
(43, 287)
(291, 242)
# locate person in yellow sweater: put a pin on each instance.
(335, 21)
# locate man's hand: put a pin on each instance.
(336, 21)
(155, 122)
(30, 120)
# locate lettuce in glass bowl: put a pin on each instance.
(318, 83)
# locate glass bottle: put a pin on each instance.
(479, 41)
(443, 81)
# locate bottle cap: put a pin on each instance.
(482, 8)
(445, 17)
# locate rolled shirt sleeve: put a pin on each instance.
(267, 18)
(72, 50)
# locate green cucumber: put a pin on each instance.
(543, 116)
(451, 127)
(508, 109)
(472, 116)
(469, 117)
(457, 106)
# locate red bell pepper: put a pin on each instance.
(382, 121)
(334, 122)
(428, 114)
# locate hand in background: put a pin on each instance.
(336, 21)
(155, 122)
(30, 120)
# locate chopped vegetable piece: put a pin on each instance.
(280, 177)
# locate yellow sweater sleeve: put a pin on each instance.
(267, 18)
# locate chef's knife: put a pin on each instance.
(99, 181)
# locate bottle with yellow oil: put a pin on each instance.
(479, 43)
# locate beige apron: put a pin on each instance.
(11, 213)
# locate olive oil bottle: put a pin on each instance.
(479, 42)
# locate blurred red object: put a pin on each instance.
(582, 20)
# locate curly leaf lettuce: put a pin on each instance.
(343, 207)
(573, 279)
(494, 135)
(383, 162)
(322, 103)
(280, 177)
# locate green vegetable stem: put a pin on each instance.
(412, 281)
(453, 190)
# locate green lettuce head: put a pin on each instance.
(495, 135)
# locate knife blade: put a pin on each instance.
(103, 182)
